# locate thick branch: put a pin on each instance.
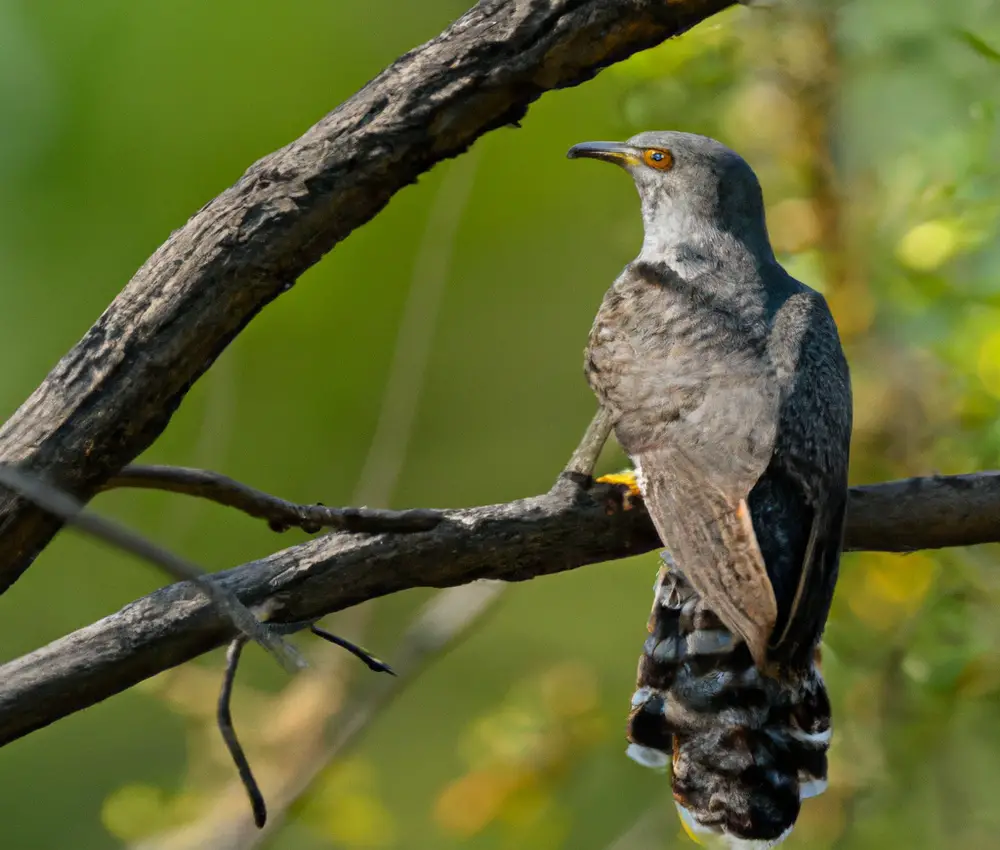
(564, 529)
(925, 513)
(112, 395)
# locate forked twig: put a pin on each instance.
(446, 618)
(279, 513)
(224, 716)
(71, 511)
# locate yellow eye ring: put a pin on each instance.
(658, 158)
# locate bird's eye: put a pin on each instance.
(658, 159)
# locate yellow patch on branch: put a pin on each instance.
(625, 478)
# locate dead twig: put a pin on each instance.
(279, 513)
(71, 511)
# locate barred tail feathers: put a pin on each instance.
(745, 748)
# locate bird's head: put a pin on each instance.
(692, 189)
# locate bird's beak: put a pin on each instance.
(616, 152)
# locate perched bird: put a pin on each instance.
(729, 390)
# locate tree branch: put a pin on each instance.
(566, 528)
(279, 513)
(71, 511)
(111, 396)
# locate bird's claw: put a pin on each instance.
(625, 479)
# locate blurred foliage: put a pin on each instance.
(873, 127)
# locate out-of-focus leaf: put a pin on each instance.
(978, 45)
(989, 363)
(136, 811)
(344, 808)
(928, 246)
(894, 587)
(473, 801)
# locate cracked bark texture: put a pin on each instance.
(112, 395)
(566, 528)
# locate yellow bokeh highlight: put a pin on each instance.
(136, 811)
(893, 588)
(569, 690)
(929, 245)
(357, 820)
(517, 752)
(473, 801)
(793, 225)
(344, 808)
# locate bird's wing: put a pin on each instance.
(699, 460)
(703, 519)
(802, 626)
(813, 459)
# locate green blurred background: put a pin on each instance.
(434, 359)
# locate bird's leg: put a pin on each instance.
(581, 465)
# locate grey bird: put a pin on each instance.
(729, 390)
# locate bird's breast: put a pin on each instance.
(650, 346)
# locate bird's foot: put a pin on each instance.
(627, 480)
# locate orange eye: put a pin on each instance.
(661, 160)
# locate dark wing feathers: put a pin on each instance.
(811, 457)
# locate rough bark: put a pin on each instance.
(111, 396)
(561, 530)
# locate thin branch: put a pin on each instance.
(71, 511)
(439, 625)
(566, 528)
(112, 395)
(224, 717)
(375, 664)
(224, 720)
(279, 513)
(581, 464)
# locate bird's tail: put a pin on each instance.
(745, 747)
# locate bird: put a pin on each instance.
(727, 383)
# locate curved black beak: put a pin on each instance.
(616, 152)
